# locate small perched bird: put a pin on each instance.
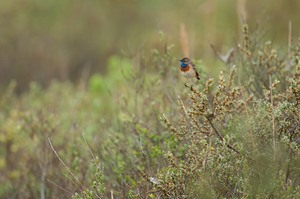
(187, 68)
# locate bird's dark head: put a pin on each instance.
(184, 62)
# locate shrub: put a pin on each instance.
(152, 136)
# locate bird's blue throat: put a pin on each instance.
(183, 65)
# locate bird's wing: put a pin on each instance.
(194, 67)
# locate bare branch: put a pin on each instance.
(220, 136)
(227, 58)
(69, 170)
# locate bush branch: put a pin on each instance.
(220, 136)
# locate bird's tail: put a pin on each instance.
(197, 75)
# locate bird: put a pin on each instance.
(188, 69)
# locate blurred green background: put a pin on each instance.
(42, 40)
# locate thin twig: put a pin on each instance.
(206, 155)
(290, 39)
(289, 45)
(220, 136)
(227, 58)
(183, 107)
(91, 152)
(214, 128)
(64, 163)
(247, 111)
(273, 118)
(60, 187)
(73, 182)
(187, 118)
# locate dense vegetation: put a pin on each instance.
(141, 132)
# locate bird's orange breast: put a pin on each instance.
(185, 69)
